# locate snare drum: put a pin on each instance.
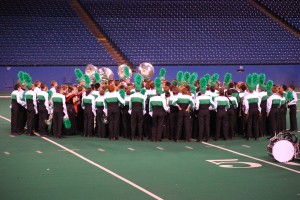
(281, 150)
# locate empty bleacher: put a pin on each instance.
(287, 10)
(194, 32)
(47, 32)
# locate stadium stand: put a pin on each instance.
(46, 32)
(287, 10)
(194, 32)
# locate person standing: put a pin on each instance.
(203, 102)
(157, 109)
(173, 114)
(273, 105)
(112, 99)
(43, 107)
(100, 125)
(292, 105)
(185, 105)
(231, 112)
(16, 105)
(88, 105)
(222, 104)
(31, 105)
(137, 109)
(252, 109)
(59, 112)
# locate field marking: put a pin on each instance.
(97, 165)
(102, 150)
(39, 152)
(131, 149)
(12, 136)
(160, 148)
(251, 157)
(293, 163)
(6, 153)
(71, 149)
(189, 147)
(246, 146)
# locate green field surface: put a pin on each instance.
(33, 167)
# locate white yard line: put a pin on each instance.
(39, 152)
(246, 146)
(251, 157)
(131, 149)
(160, 148)
(189, 147)
(98, 166)
(6, 153)
(102, 150)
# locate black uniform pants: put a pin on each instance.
(293, 117)
(14, 117)
(221, 122)
(173, 124)
(253, 122)
(204, 124)
(100, 126)
(136, 122)
(184, 121)
(43, 115)
(273, 119)
(113, 116)
(157, 122)
(231, 112)
(88, 124)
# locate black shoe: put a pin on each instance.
(15, 134)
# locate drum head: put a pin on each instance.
(283, 151)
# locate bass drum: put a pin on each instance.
(281, 150)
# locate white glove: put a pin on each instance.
(129, 111)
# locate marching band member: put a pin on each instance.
(88, 105)
(31, 104)
(185, 104)
(203, 102)
(252, 109)
(231, 112)
(157, 109)
(71, 101)
(282, 110)
(44, 111)
(273, 105)
(173, 113)
(53, 86)
(222, 104)
(112, 99)
(137, 109)
(59, 112)
(16, 104)
(100, 126)
(292, 105)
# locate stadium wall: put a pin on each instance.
(280, 74)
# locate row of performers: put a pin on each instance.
(153, 110)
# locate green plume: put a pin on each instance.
(138, 80)
(249, 82)
(174, 82)
(162, 73)
(79, 75)
(122, 93)
(207, 77)
(28, 80)
(289, 96)
(186, 76)
(50, 93)
(97, 77)
(87, 81)
(227, 79)
(67, 123)
(214, 79)
(143, 91)
(269, 85)
(157, 83)
(179, 77)
(193, 89)
(255, 79)
(126, 72)
(193, 78)
(203, 84)
(21, 77)
(261, 81)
